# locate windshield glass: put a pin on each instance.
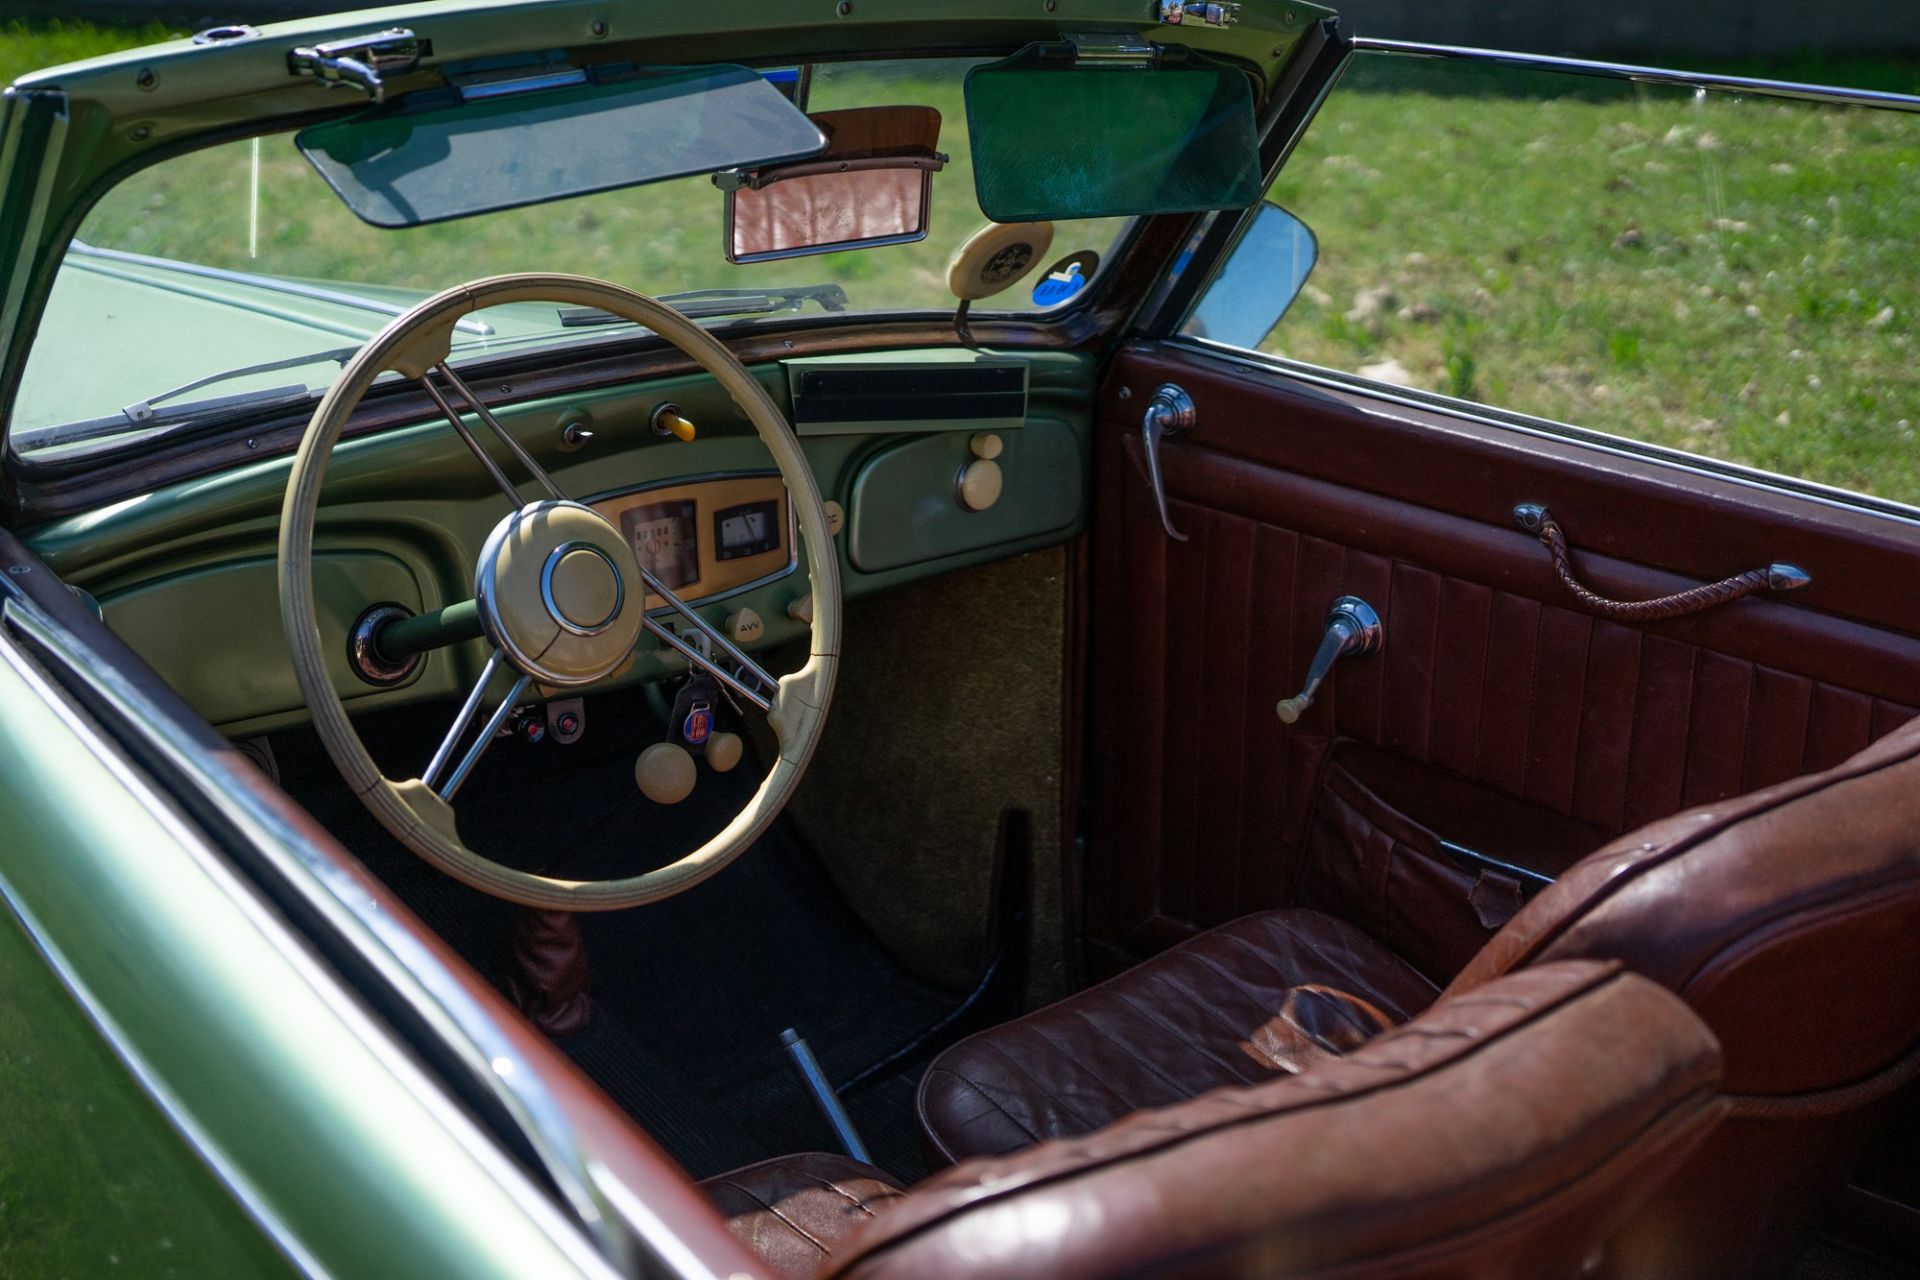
(228, 279)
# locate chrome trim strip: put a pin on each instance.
(1474, 856)
(1648, 75)
(415, 974)
(1549, 429)
(292, 288)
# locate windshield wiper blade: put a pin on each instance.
(705, 304)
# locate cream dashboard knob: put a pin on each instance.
(836, 518)
(745, 627)
(800, 609)
(665, 773)
(724, 751)
(979, 484)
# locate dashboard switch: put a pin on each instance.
(836, 518)
(800, 609)
(987, 445)
(667, 421)
(745, 627)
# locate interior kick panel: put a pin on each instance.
(1489, 672)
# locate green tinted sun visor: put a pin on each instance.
(1059, 135)
(446, 155)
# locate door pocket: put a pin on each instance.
(1430, 864)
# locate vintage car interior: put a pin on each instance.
(973, 766)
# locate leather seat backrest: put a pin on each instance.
(1788, 919)
(1503, 1133)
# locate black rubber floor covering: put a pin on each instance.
(691, 994)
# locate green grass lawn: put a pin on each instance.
(1733, 277)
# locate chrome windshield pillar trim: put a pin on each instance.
(1647, 75)
(622, 1243)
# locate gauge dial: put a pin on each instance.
(666, 541)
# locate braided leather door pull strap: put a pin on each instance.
(1535, 519)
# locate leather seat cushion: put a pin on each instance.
(1266, 995)
(793, 1211)
(1487, 1138)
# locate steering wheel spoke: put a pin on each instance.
(712, 668)
(518, 450)
(759, 673)
(451, 742)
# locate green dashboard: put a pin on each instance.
(937, 459)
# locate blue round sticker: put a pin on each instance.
(1065, 278)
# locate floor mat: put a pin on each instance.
(692, 993)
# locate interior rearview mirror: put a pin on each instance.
(1258, 282)
(872, 186)
(1057, 136)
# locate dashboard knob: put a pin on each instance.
(724, 751)
(978, 486)
(800, 609)
(745, 627)
(665, 773)
(986, 445)
(836, 518)
(667, 421)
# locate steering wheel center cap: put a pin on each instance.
(581, 587)
(551, 586)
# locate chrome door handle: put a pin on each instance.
(1169, 413)
(1353, 629)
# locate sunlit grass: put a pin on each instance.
(1733, 277)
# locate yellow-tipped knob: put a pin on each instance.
(667, 421)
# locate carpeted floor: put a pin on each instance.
(691, 994)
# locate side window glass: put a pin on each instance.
(1726, 274)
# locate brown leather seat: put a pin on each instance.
(1483, 1139)
(1789, 919)
(1267, 995)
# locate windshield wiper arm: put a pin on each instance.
(705, 304)
(144, 411)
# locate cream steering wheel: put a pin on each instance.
(561, 597)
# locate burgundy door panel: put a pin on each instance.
(1291, 496)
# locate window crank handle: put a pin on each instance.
(1353, 629)
(1169, 413)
